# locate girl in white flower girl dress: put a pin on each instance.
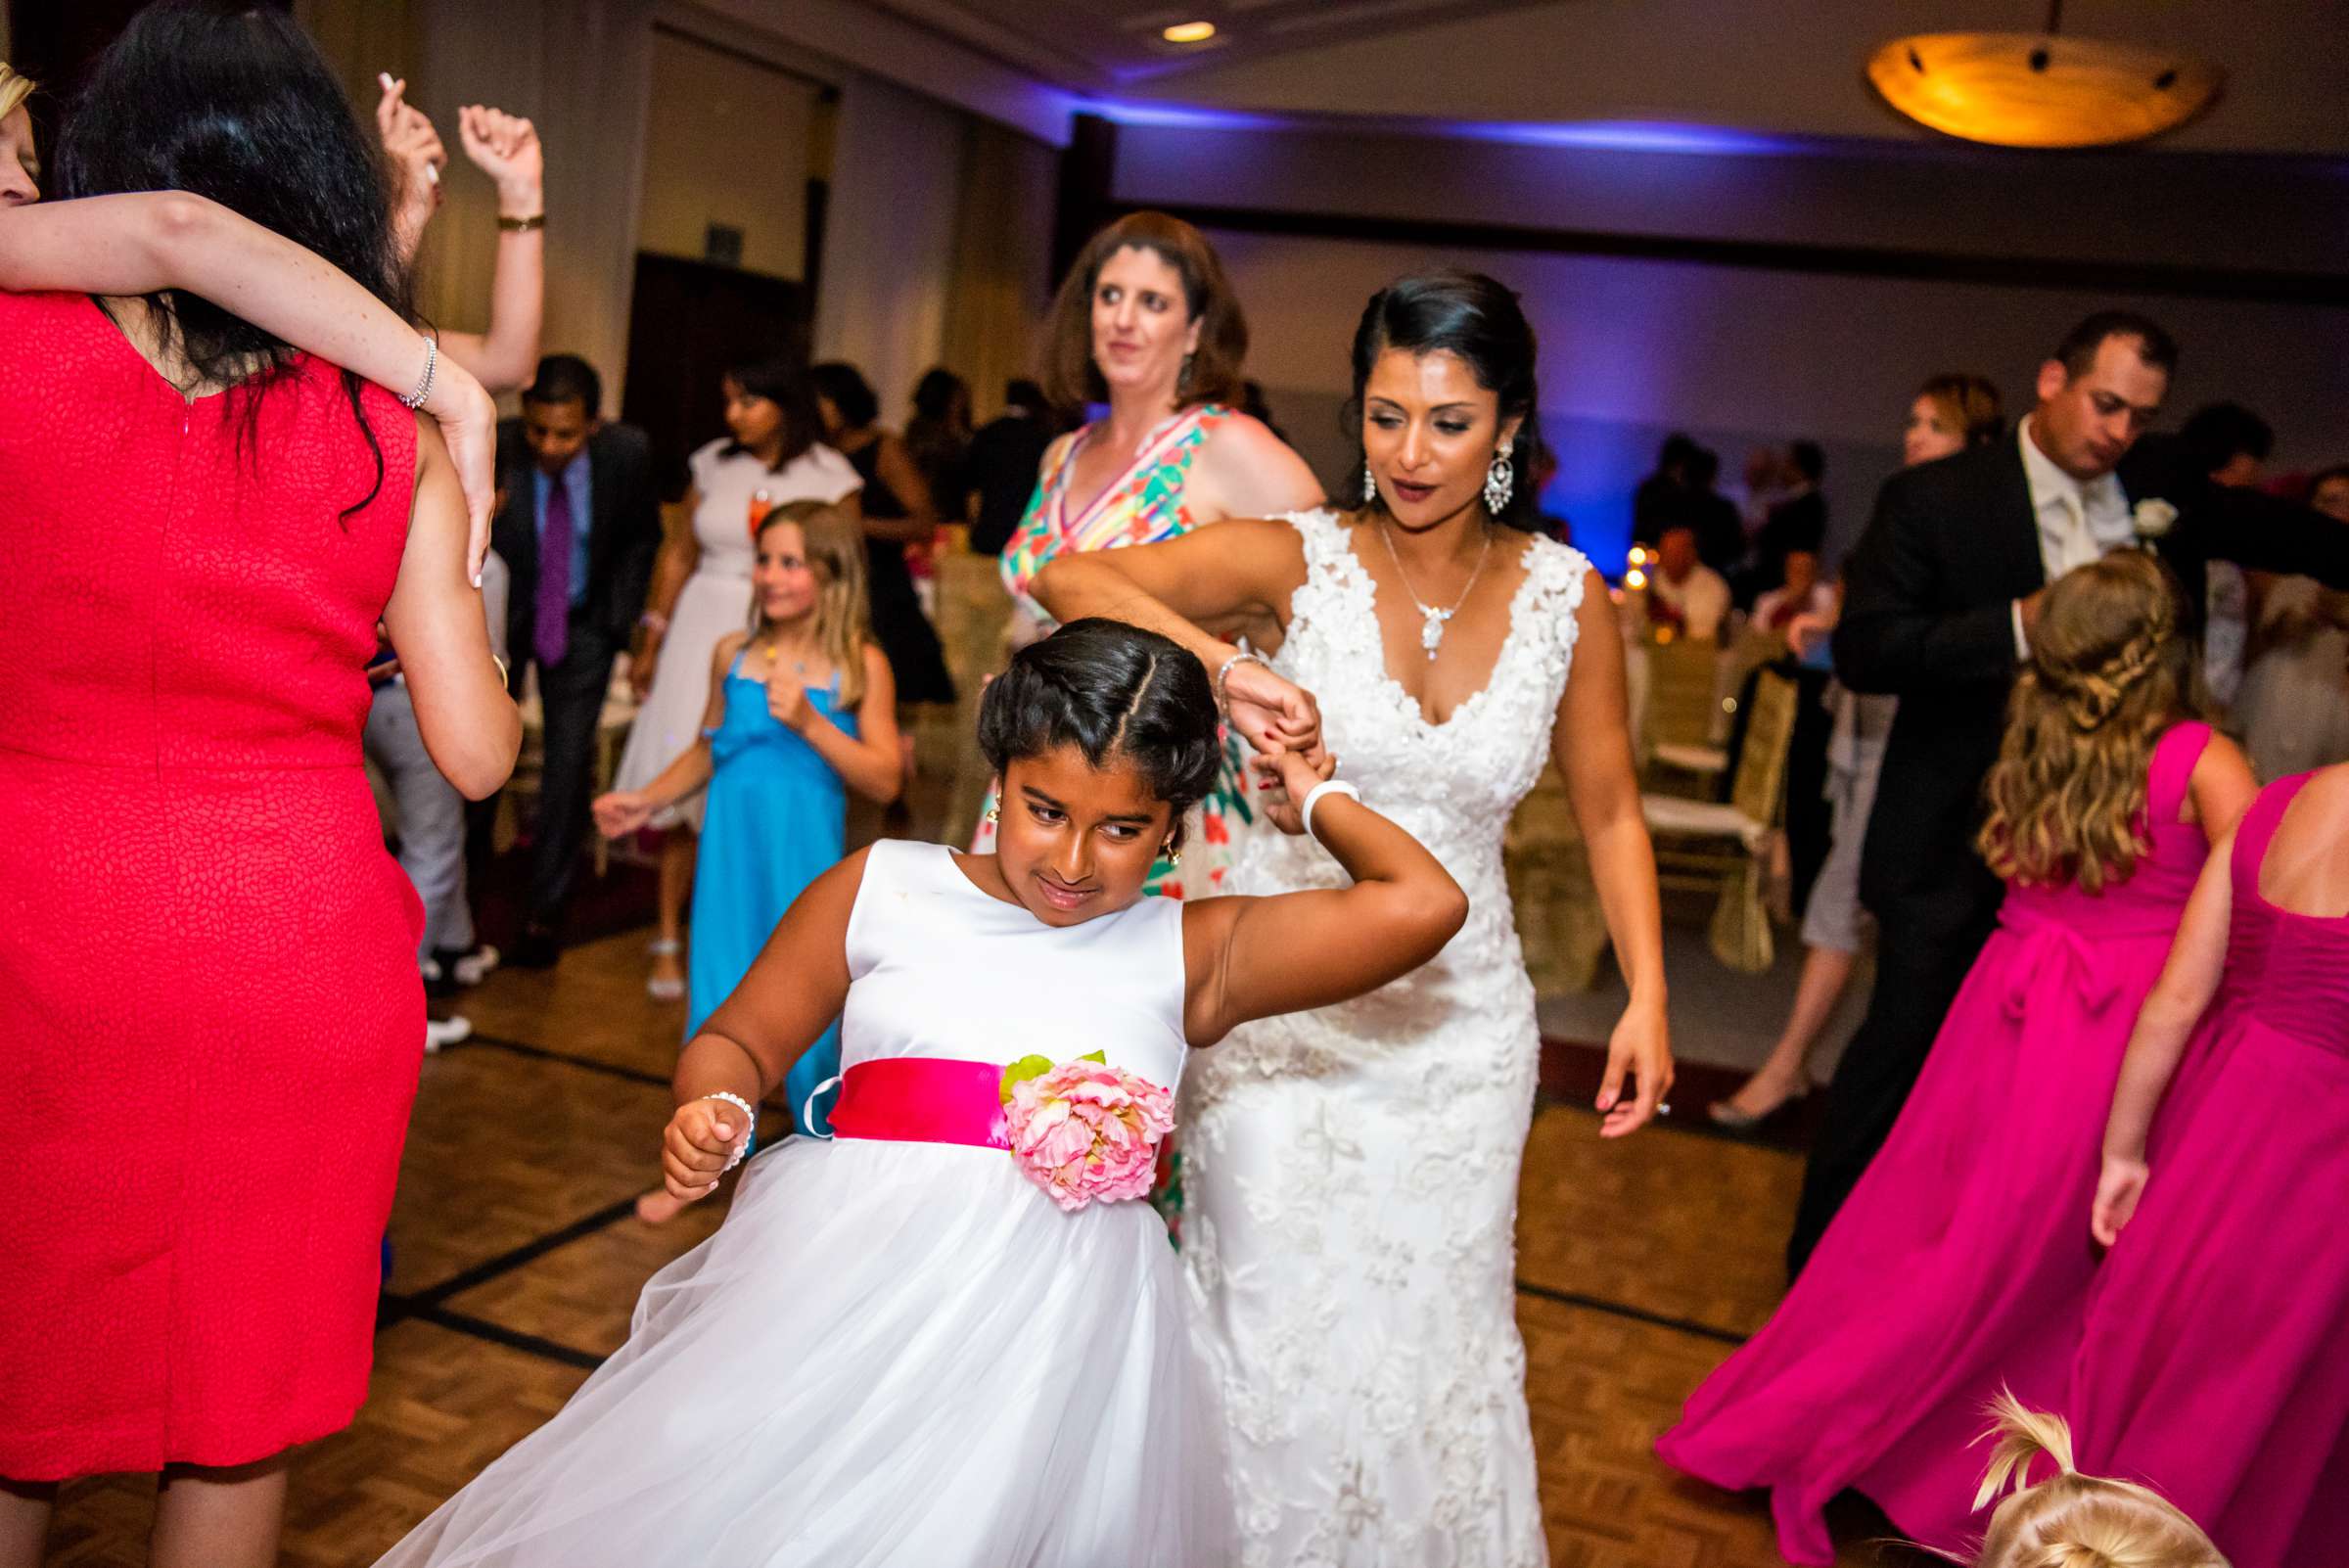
(952, 1336)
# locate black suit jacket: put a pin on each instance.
(622, 535)
(1928, 617)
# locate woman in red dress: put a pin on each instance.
(207, 986)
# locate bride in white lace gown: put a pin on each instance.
(1351, 1175)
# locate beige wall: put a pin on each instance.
(1739, 356)
(727, 143)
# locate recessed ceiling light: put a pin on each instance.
(1189, 32)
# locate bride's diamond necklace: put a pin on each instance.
(1434, 619)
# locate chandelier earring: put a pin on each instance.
(1501, 482)
(1369, 484)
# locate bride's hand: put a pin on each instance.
(1272, 715)
(1641, 1046)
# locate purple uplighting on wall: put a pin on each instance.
(1615, 135)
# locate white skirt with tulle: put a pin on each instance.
(896, 1354)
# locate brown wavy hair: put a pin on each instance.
(1212, 376)
(2109, 671)
(2072, 1520)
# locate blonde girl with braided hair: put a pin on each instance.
(802, 709)
(2071, 1520)
(2108, 677)
(1959, 1267)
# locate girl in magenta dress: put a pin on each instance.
(1959, 1263)
(2213, 1367)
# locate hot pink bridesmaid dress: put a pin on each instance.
(2215, 1363)
(1962, 1260)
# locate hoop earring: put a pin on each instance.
(1501, 482)
(1173, 855)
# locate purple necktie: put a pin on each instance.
(554, 577)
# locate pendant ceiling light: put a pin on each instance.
(2020, 89)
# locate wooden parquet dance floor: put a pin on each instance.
(517, 1258)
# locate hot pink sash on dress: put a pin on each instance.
(923, 1099)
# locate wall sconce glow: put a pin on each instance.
(1189, 32)
(2019, 89)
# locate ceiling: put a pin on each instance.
(1771, 68)
(1098, 45)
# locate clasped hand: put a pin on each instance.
(1285, 780)
(1272, 713)
(694, 1150)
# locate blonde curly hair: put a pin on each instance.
(2109, 671)
(2072, 1520)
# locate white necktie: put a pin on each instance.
(2077, 546)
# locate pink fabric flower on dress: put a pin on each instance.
(1086, 1131)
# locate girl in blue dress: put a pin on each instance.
(802, 709)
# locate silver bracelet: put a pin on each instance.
(1223, 674)
(432, 364)
(750, 1119)
(1335, 786)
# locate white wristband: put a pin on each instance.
(1335, 786)
(751, 1125)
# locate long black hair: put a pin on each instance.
(230, 99)
(782, 380)
(1477, 318)
(1112, 691)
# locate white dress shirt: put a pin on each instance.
(2077, 522)
(1702, 601)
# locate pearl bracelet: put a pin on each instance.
(744, 1147)
(1223, 674)
(424, 387)
(1335, 786)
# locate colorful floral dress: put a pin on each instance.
(1144, 505)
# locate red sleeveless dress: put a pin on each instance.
(211, 1021)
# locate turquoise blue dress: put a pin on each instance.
(776, 820)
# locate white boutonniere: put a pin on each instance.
(2152, 518)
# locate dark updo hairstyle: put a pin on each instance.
(1477, 318)
(230, 99)
(850, 392)
(782, 380)
(1109, 690)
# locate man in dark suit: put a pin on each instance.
(579, 529)
(1941, 597)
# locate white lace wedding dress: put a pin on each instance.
(1351, 1175)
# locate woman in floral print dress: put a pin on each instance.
(1148, 324)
